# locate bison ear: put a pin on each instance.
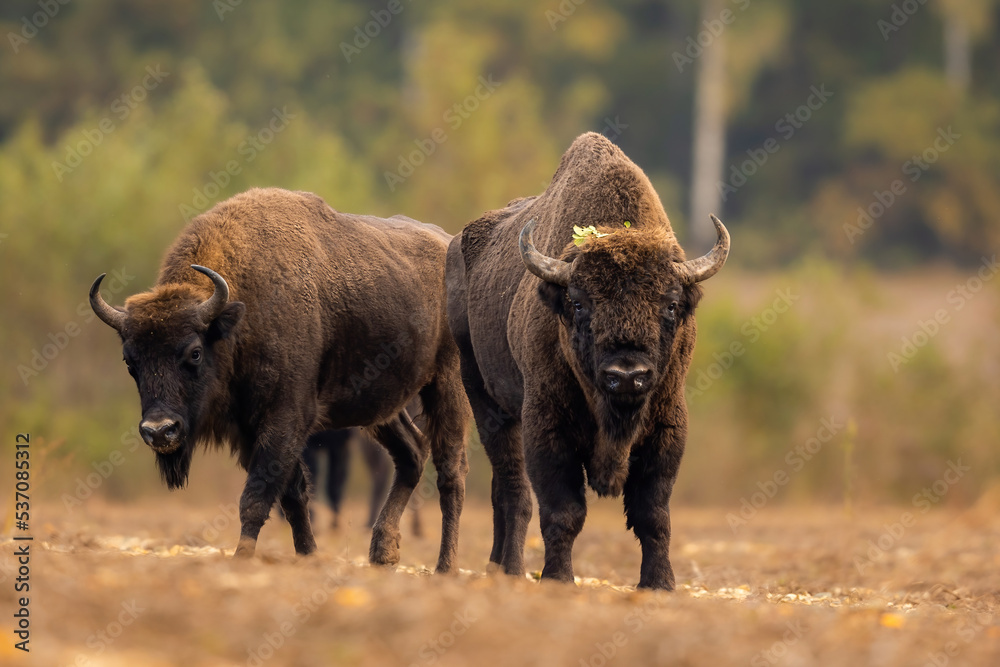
(225, 324)
(553, 296)
(692, 295)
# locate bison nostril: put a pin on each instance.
(171, 431)
(639, 379)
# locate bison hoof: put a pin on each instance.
(246, 548)
(561, 577)
(384, 557)
(305, 549)
(667, 586)
(444, 568)
(384, 549)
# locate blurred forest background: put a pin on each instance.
(852, 148)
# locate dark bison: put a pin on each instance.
(337, 444)
(580, 352)
(309, 319)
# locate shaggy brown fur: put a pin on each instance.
(333, 320)
(538, 358)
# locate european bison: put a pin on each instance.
(581, 351)
(336, 443)
(308, 319)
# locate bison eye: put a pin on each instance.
(672, 307)
(577, 306)
(195, 356)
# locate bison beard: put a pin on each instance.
(622, 420)
(620, 425)
(175, 467)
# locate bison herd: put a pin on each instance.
(563, 323)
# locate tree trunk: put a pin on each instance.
(957, 50)
(709, 147)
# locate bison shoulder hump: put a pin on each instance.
(476, 236)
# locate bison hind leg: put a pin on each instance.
(380, 466)
(447, 411)
(339, 457)
(409, 455)
(500, 433)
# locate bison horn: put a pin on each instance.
(547, 268)
(113, 317)
(212, 307)
(706, 266)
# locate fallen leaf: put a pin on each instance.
(889, 620)
(352, 597)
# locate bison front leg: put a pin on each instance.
(652, 473)
(295, 505)
(562, 509)
(265, 481)
(269, 471)
(556, 475)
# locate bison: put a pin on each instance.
(336, 444)
(574, 355)
(308, 319)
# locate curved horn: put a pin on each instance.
(706, 266)
(113, 317)
(547, 268)
(212, 307)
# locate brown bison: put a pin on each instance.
(309, 319)
(574, 356)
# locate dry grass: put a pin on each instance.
(785, 590)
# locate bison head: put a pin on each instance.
(622, 299)
(172, 344)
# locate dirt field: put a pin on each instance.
(150, 584)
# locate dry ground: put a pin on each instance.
(147, 584)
